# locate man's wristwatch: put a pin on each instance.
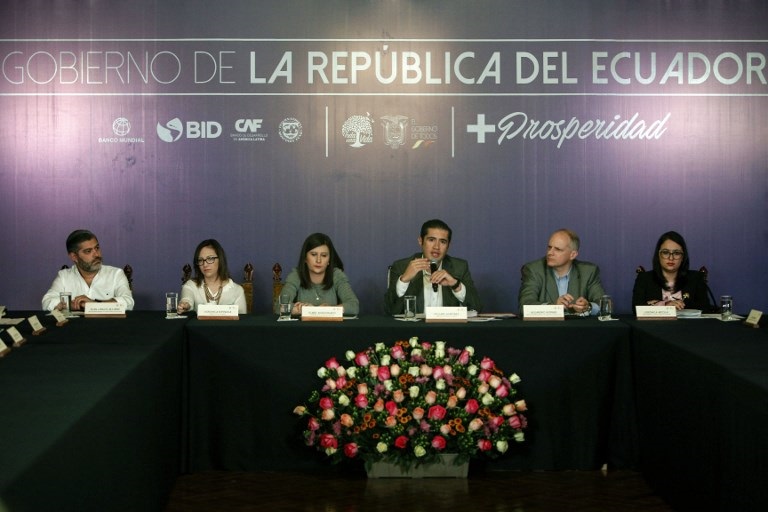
(456, 286)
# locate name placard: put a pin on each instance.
(104, 310)
(3, 348)
(753, 319)
(18, 339)
(322, 313)
(59, 317)
(543, 312)
(456, 314)
(37, 327)
(217, 312)
(656, 312)
(2, 310)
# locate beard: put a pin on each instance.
(93, 266)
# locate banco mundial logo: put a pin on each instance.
(289, 129)
(121, 127)
(172, 131)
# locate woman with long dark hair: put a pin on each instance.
(212, 283)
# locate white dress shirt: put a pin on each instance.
(232, 293)
(109, 283)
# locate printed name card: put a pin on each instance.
(37, 327)
(753, 320)
(60, 318)
(104, 310)
(445, 314)
(217, 312)
(2, 310)
(544, 312)
(656, 312)
(3, 348)
(18, 339)
(322, 313)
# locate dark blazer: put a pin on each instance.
(646, 288)
(457, 267)
(539, 285)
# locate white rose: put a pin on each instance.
(413, 341)
(349, 355)
(416, 352)
(419, 451)
(413, 371)
(487, 399)
(352, 372)
(380, 347)
(472, 369)
(330, 451)
(385, 360)
(514, 378)
(388, 385)
(470, 349)
(413, 391)
(519, 437)
(322, 373)
(344, 400)
(502, 446)
(381, 447)
(440, 384)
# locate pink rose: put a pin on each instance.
(350, 449)
(484, 375)
(398, 352)
(332, 363)
(472, 406)
(383, 373)
(341, 382)
(398, 395)
(418, 413)
(502, 391)
(430, 397)
(464, 357)
(391, 407)
(361, 401)
(514, 422)
(438, 373)
(361, 359)
(438, 442)
(326, 403)
(484, 445)
(495, 422)
(362, 388)
(487, 363)
(328, 441)
(425, 370)
(401, 442)
(313, 424)
(436, 412)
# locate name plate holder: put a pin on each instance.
(543, 312)
(446, 314)
(322, 313)
(37, 327)
(61, 320)
(18, 339)
(753, 320)
(104, 310)
(217, 312)
(656, 312)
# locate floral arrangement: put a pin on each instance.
(409, 403)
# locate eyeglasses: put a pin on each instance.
(675, 255)
(208, 260)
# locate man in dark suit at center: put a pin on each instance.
(450, 284)
(559, 278)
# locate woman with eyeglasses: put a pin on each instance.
(671, 283)
(212, 283)
(319, 279)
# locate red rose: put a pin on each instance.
(484, 445)
(436, 412)
(391, 407)
(326, 403)
(361, 359)
(438, 442)
(401, 442)
(472, 406)
(332, 363)
(383, 373)
(328, 441)
(350, 449)
(313, 424)
(361, 401)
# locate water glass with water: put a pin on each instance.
(606, 307)
(285, 306)
(409, 311)
(726, 307)
(171, 304)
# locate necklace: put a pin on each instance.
(211, 297)
(314, 289)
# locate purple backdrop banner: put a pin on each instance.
(158, 124)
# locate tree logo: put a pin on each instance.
(358, 130)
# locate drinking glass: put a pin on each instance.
(726, 307)
(606, 307)
(285, 306)
(171, 304)
(410, 307)
(65, 298)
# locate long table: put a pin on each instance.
(247, 376)
(90, 415)
(702, 402)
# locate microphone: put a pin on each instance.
(433, 269)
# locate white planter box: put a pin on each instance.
(443, 469)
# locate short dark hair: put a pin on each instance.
(219, 250)
(334, 260)
(435, 224)
(682, 272)
(77, 237)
